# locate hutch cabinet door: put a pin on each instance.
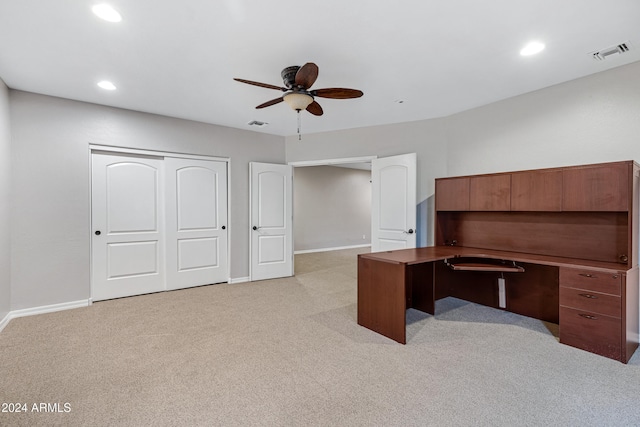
(537, 191)
(602, 188)
(490, 193)
(452, 194)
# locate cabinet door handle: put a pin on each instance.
(590, 276)
(588, 316)
(588, 296)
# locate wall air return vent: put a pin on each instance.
(603, 54)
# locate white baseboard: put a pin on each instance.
(4, 322)
(239, 280)
(308, 251)
(42, 310)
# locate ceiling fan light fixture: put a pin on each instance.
(298, 101)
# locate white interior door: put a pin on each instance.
(393, 203)
(128, 226)
(196, 194)
(271, 221)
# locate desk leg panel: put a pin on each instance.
(381, 298)
(420, 279)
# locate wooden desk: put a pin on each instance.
(391, 282)
(573, 230)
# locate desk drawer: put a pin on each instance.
(598, 281)
(591, 332)
(590, 301)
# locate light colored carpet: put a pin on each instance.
(288, 352)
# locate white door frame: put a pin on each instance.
(330, 162)
(108, 149)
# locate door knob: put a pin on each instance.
(98, 232)
(255, 228)
(224, 227)
(409, 232)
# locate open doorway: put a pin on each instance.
(392, 190)
(332, 204)
(332, 207)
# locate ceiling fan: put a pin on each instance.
(297, 94)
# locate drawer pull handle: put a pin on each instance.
(590, 276)
(588, 316)
(588, 296)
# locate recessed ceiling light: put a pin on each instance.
(532, 48)
(107, 85)
(106, 12)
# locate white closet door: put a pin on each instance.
(127, 226)
(271, 220)
(196, 222)
(393, 202)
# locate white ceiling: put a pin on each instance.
(178, 58)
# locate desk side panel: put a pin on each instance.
(631, 321)
(381, 298)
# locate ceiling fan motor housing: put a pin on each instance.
(289, 76)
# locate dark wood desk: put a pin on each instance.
(391, 282)
(572, 233)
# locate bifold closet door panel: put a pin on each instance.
(196, 201)
(127, 218)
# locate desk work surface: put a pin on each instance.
(437, 253)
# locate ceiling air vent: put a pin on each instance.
(601, 55)
(257, 123)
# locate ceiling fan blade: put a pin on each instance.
(337, 93)
(270, 103)
(315, 109)
(307, 75)
(267, 85)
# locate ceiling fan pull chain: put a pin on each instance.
(299, 122)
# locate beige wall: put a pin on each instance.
(332, 207)
(5, 203)
(590, 120)
(50, 209)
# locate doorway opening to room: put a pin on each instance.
(392, 204)
(332, 206)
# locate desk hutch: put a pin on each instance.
(560, 245)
